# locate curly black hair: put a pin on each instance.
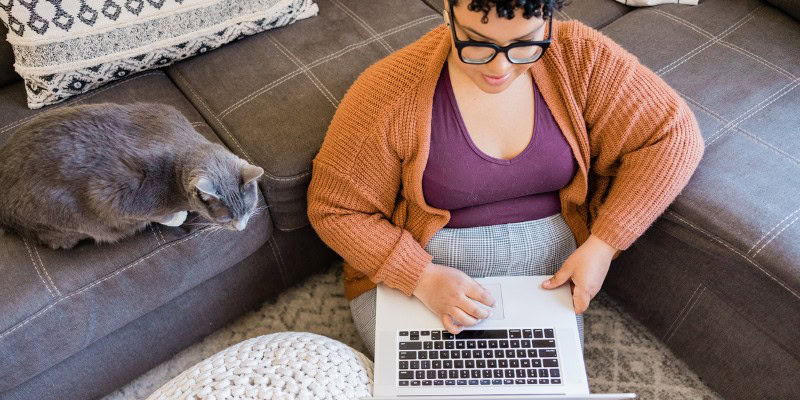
(506, 8)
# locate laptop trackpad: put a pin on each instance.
(497, 293)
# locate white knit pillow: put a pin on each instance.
(290, 365)
(67, 47)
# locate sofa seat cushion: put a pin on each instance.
(272, 104)
(737, 66)
(55, 303)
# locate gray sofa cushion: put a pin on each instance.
(732, 235)
(595, 13)
(791, 7)
(141, 345)
(55, 303)
(273, 104)
(738, 71)
(734, 325)
(7, 74)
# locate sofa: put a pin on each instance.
(717, 277)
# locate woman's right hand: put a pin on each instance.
(453, 296)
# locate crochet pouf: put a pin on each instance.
(289, 365)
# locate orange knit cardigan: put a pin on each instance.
(635, 140)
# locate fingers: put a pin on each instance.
(474, 309)
(462, 318)
(451, 327)
(561, 277)
(480, 294)
(580, 299)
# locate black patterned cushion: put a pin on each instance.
(68, 47)
(7, 74)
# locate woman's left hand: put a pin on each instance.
(586, 268)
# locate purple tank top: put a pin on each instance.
(480, 190)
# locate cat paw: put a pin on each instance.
(63, 244)
(177, 219)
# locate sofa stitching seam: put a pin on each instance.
(733, 249)
(364, 24)
(770, 231)
(699, 49)
(748, 320)
(153, 231)
(321, 61)
(689, 311)
(752, 111)
(743, 131)
(680, 314)
(278, 259)
(158, 228)
(47, 274)
(36, 267)
(99, 281)
(294, 228)
(776, 235)
(77, 100)
(313, 78)
(730, 45)
(211, 112)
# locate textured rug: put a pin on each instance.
(621, 355)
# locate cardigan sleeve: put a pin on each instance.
(642, 136)
(356, 179)
(349, 219)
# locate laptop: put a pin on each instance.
(528, 349)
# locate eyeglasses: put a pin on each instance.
(523, 52)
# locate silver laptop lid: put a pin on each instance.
(525, 305)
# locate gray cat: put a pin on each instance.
(106, 171)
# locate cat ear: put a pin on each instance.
(206, 188)
(251, 173)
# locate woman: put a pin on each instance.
(500, 143)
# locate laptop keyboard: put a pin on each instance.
(493, 357)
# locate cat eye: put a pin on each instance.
(202, 196)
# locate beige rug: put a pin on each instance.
(621, 355)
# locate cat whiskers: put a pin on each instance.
(258, 211)
(200, 224)
(210, 230)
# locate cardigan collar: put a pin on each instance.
(550, 78)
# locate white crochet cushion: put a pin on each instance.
(288, 365)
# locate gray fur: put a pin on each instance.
(106, 171)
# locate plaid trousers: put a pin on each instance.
(537, 247)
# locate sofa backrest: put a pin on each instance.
(791, 7)
(7, 74)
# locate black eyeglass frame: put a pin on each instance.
(461, 44)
